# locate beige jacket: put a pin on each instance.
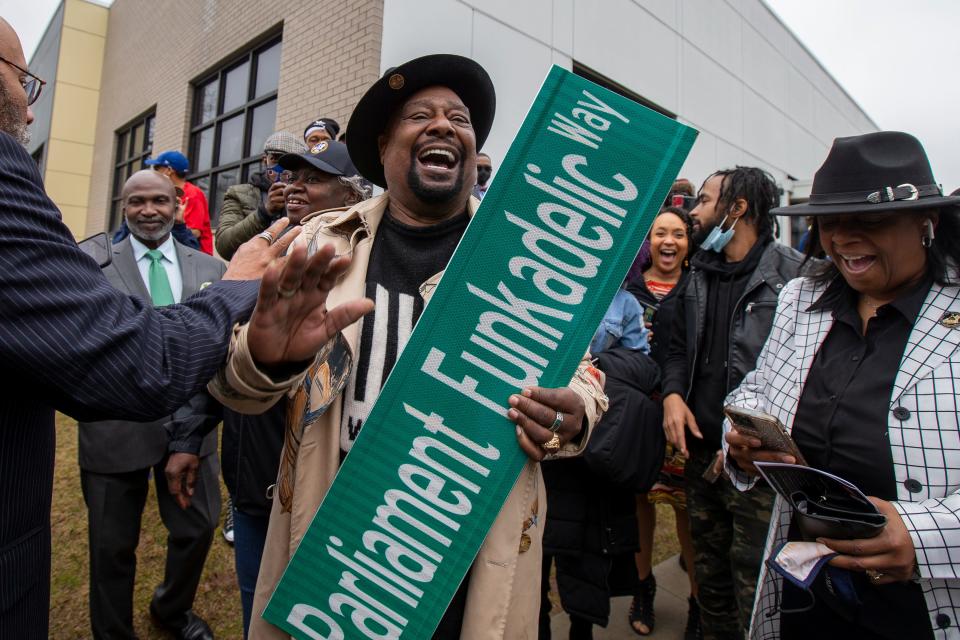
(504, 591)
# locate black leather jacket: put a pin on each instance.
(749, 326)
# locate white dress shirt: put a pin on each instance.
(169, 262)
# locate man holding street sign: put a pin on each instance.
(415, 132)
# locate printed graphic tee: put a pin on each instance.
(402, 258)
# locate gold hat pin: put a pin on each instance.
(951, 319)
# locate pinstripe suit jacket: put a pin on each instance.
(923, 425)
(69, 341)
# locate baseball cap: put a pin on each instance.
(283, 142)
(329, 156)
(329, 124)
(173, 159)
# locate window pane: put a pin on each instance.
(115, 215)
(268, 70)
(117, 180)
(231, 140)
(264, 118)
(249, 170)
(208, 101)
(203, 183)
(237, 80)
(151, 121)
(203, 147)
(224, 180)
(121, 147)
(136, 141)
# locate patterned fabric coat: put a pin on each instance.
(924, 431)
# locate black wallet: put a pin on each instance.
(824, 505)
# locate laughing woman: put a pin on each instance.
(863, 365)
(659, 290)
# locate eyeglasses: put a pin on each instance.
(32, 85)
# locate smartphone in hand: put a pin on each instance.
(764, 427)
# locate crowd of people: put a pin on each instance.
(854, 346)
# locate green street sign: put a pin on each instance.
(517, 306)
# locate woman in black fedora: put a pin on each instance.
(862, 365)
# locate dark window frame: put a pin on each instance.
(206, 179)
(126, 161)
(596, 77)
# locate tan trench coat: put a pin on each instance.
(504, 591)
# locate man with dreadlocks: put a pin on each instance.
(721, 324)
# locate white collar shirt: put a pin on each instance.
(169, 262)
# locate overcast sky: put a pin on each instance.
(899, 60)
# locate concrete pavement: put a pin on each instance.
(670, 606)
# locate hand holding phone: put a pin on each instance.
(759, 437)
(276, 201)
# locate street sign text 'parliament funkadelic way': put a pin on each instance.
(517, 306)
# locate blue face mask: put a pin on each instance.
(717, 239)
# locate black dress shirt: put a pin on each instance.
(841, 421)
(841, 427)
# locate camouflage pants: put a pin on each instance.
(729, 529)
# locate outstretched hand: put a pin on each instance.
(291, 321)
(254, 256)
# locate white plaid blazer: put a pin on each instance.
(923, 428)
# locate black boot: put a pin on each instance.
(641, 609)
(580, 629)
(693, 631)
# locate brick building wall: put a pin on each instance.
(156, 49)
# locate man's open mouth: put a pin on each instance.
(438, 158)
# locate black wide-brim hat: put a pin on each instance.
(369, 120)
(872, 173)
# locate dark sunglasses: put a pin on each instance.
(32, 85)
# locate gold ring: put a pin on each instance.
(874, 575)
(556, 422)
(552, 445)
(286, 293)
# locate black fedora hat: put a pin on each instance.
(872, 173)
(462, 75)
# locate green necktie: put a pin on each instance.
(160, 289)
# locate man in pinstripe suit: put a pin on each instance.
(71, 342)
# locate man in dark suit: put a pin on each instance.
(71, 342)
(116, 456)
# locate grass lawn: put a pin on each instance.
(218, 600)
